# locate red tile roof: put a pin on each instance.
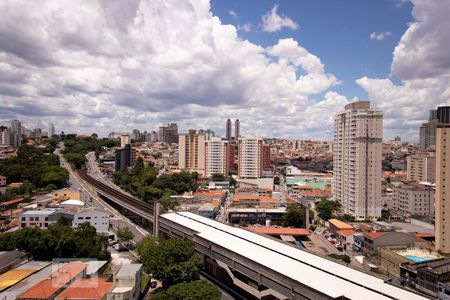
(279, 230)
(48, 287)
(345, 232)
(339, 224)
(86, 288)
(13, 201)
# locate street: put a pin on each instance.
(90, 198)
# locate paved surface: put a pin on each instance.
(90, 198)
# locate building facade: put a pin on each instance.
(191, 152)
(237, 130)
(414, 199)
(357, 160)
(168, 134)
(51, 130)
(442, 217)
(427, 132)
(421, 167)
(250, 157)
(217, 156)
(228, 130)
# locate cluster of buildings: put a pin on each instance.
(71, 279)
(13, 135)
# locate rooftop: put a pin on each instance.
(13, 276)
(279, 230)
(330, 278)
(128, 270)
(339, 224)
(86, 288)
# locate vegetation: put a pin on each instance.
(76, 148)
(142, 182)
(35, 168)
(344, 257)
(326, 209)
(346, 218)
(295, 216)
(59, 240)
(171, 261)
(125, 234)
(218, 177)
(196, 290)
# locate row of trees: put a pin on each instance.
(36, 168)
(177, 265)
(59, 240)
(142, 182)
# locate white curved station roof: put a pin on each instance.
(330, 278)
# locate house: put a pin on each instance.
(345, 238)
(209, 210)
(127, 283)
(245, 200)
(335, 225)
(65, 194)
(56, 283)
(371, 241)
(3, 181)
(87, 288)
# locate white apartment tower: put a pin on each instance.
(250, 157)
(442, 215)
(217, 157)
(51, 130)
(358, 133)
(191, 152)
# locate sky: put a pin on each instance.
(284, 68)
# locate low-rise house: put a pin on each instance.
(87, 288)
(209, 210)
(244, 200)
(127, 283)
(58, 281)
(372, 241)
(252, 216)
(345, 238)
(334, 225)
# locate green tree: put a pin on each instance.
(125, 234)
(326, 208)
(172, 261)
(295, 216)
(218, 177)
(195, 290)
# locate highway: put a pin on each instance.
(89, 197)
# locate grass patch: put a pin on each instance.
(144, 281)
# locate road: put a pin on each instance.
(90, 198)
(329, 246)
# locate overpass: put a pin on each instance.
(264, 268)
(125, 202)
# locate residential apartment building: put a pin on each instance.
(442, 217)
(414, 199)
(237, 130)
(51, 130)
(357, 160)
(217, 157)
(250, 157)
(191, 152)
(421, 167)
(228, 130)
(427, 132)
(168, 134)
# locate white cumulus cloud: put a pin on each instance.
(116, 65)
(380, 36)
(272, 21)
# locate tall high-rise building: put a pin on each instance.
(51, 130)
(228, 130)
(191, 152)
(168, 134)
(442, 216)
(357, 159)
(217, 156)
(153, 136)
(136, 135)
(124, 157)
(237, 130)
(427, 134)
(250, 157)
(124, 140)
(16, 127)
(421, 167)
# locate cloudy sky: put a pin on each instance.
(284, 68)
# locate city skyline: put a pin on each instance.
(272, 68)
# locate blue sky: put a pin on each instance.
(118, 65)
(338, 32)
